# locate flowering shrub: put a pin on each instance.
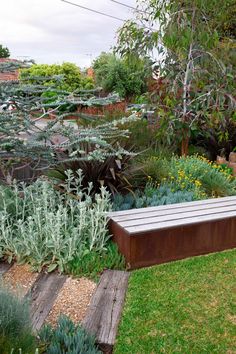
(179, 180)
(50, 228)
(194, 173)
(208, 178)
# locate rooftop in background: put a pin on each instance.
(9, 76)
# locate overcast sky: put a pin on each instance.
(51, 31)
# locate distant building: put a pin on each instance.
(9, 76)
(90, 72)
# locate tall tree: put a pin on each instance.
(4, 52)
(187, 37)
(127, 76)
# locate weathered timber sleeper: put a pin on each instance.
(4, 267)
(155, 235)
(105, 309)
(42, 296)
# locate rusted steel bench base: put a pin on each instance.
(157, 246)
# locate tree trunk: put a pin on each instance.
(184, 143)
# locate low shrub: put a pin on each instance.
(141, 135)
(51, 228)
(15, 325)
(156, 168)
(152, 196)
(212, 179)
(178, 180)
(93, 263)
(67, 338)
(192, 173)
(10, 201)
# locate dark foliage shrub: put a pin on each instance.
(113, 173)
(217, 136)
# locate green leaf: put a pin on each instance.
(52, 267)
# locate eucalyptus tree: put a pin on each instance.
(186, 38)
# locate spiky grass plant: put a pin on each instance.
(15, 325)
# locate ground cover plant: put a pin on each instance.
(151, 196)
(66, 338)
(181, 307)
(93, 263)
(46, 227)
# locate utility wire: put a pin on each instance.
(95, 11)
(130, 7)
(100, 13)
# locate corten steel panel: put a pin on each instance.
(121, 238)
(160, 246)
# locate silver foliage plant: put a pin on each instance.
(50, 228)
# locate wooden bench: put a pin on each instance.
(155, 235)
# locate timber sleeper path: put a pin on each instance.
(42, 296)
(105, 309)
(4, 267)
(155, 235)
(103, 314)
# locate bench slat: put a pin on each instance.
(159, 212)
(182, 222)
(177, 216)
(201, 203)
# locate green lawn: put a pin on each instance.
(186, 307)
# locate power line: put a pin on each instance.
(99, 12)
(130, 7)
(95, 11)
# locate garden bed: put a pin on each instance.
(182, 307)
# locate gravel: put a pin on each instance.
(73, 300)
(20, 278)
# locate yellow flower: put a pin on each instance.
(198, 183)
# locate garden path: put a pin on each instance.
(103, 313)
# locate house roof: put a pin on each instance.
(9, 76)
